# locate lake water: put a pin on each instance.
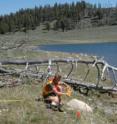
(106, 50)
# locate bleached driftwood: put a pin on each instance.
(75, 84)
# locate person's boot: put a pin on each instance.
(48, 106)
(38, 99)
(60, 108)
(54, 106)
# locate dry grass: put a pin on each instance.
(38, 36)
(29, 111)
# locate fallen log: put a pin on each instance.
(85, 87)
(31, 62)
(74, 83)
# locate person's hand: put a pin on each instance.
(65, 94)
(68, 94)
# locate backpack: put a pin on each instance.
(47, 88)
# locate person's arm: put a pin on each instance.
(58, 92)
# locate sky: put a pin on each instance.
(8, 6)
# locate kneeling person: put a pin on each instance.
(52, 92)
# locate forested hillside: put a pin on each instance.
(60, 16)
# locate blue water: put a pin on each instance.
(106, 50)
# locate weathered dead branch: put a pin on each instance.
(31, 62)
(84, 88)
(77, 85)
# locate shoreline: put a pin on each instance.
(81, 36)
(104, 42)
(35, 38)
